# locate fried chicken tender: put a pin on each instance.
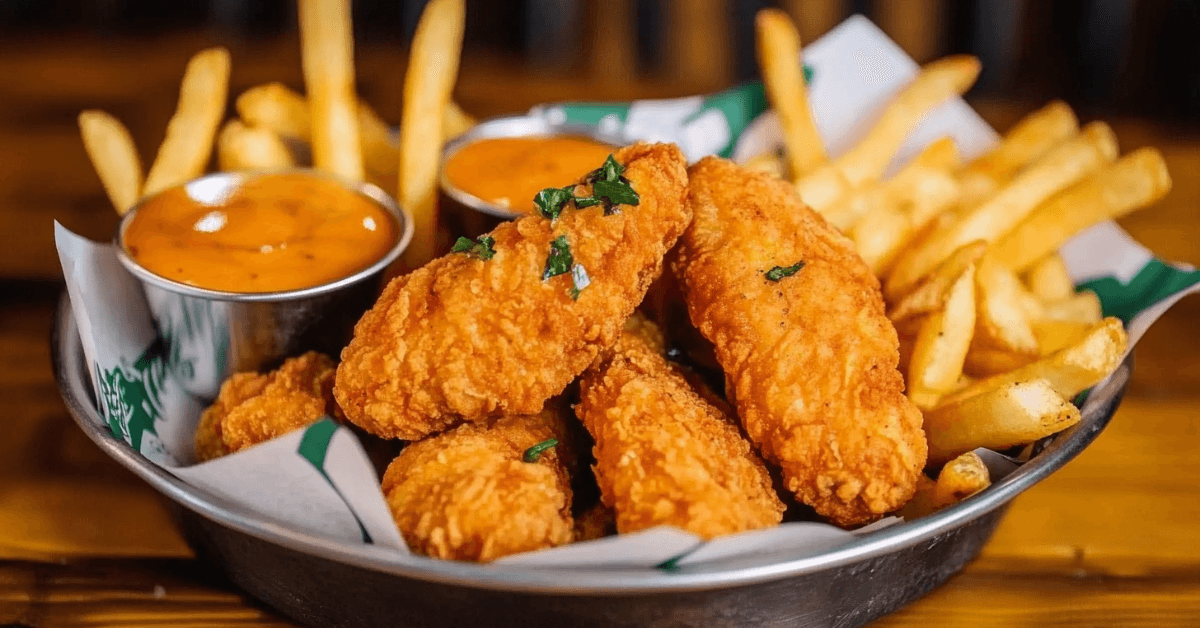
(797, 320)
(252, 408)
(468, 494)
(469, 338)
(665, 456)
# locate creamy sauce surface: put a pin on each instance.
(510, 171)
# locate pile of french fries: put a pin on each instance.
(278, 128)
(995, 341)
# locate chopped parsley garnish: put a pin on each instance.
(480, 248)
(533, 453)
(559, 261)
(550, 201)
(609, 188)
(580, 280)
(808, 74)
(779, 272)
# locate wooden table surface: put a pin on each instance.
(1111, 540)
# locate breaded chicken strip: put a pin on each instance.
(473, 335)
(798, 323)
(253, 408)
(664, 456)
(470, 494)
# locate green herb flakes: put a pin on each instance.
(779, 272)
(551, 201)
(559, 261)
(480, 248)
(533, 453)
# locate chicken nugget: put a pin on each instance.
(664, 455)
(479, 492)
(508, 321)
(797, 320)
(252, 408)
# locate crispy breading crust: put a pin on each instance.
(811, 357)
(253, 408)
(664, 456)
(466, 494)
(464, 338)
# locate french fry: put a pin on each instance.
(1001, 417)
(1070, 370)
(923, 187)
(432, 68)
(823, 187)
(879, 236)
(455, 121)
(110, 147)
(1083, 307)
(189, 141)
(1028, 140)
(983, 361)
(1133, 182)
(1002, 322)
(1049, 280)
(780, 61)
(327, 55)
(275, 107)
(1055, 335)
(241, 147)
(936, 364)
(928, 295)
(380, 156)
(961, 478)
(937, 82)
(992, 219)
(767, 162)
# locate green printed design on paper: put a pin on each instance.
(592, 113)
(131, 395)
(1153, 283)
(314, 446)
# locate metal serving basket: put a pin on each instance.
(321, 582)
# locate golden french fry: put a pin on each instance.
(1002, 322)
(432, 69)
(189, 141)
(1133, 182)
(936, 363)
(1028, 140)
(455, 121)
(767, 162)
(1056, 335)
(932, 192)
(823, 187)
(1083, 307)
(937, 82)
(1070, 370)
(781, 64)
(985, 361)
(380, 155)
(110, 147)
(1049, 280)
(880, 235)
(327, 56)
(993, 218)
(998, 418)
(275, 107)
(961, 478)
(923, 188)
(928, 295)
(941, 154)
(241, 147)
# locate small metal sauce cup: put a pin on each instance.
(463, 213)
(212, 334)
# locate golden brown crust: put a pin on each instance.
(811, 358)
(467, 494)
(664, 456)
(253, 408)
(468, 339)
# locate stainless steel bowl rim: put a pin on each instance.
(373, 192)
(67, 358)
(511, 126)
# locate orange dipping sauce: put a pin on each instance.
(275, 232)
(510, 171)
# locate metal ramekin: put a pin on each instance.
(463, 213)
(212, 334)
